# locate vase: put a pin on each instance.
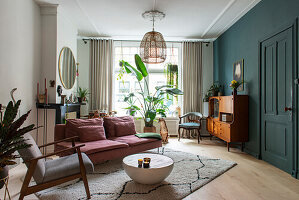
(149, 129)
(3, 174)
(235, 92)
(79, 99)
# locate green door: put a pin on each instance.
(276, 100)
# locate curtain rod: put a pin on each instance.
(85, 40)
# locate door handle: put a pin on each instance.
(287, 109)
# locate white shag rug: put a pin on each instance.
(109, 180)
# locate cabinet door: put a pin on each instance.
(225, 132)
(226, 104)
(217, 128)
(210, 125)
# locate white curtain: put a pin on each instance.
(101, 70)
(192, 77)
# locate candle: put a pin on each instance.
(147, 160)
(146, 164)
(46, 95)
(140, 161)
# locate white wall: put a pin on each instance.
(83, 60)
(20, 52)
(66, 37)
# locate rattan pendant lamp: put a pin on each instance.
(153, 47)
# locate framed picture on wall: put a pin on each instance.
(238, 73)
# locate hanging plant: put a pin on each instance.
(172, 74)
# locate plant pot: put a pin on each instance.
(79, 99)
(151, 129)
(3, 174)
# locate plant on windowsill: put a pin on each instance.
(11, 137)
(150, 104)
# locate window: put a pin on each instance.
(157, 76)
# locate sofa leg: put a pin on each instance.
(158, 150)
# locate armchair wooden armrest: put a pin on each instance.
(55, 153)
(59, 141)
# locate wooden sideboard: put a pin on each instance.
(228, 118)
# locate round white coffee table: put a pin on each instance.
(160, 167)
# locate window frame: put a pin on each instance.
(170, 45)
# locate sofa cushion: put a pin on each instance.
(91, 133)
(66, 166)
(110, 122)
(125, 128)
(72, 125)
(96, 146)
(133, 140)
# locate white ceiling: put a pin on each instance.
(185, 19)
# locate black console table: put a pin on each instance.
(61, 109)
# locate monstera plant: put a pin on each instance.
(151, 105)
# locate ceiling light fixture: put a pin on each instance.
(153, 47)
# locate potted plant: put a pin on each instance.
(82, 94)
(214, 89)
(234, 86)
(150, 104)
(11, 137)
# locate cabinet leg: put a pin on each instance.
(227, 144)
(242, 146)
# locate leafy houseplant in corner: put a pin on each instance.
(11, 137)
(147, 104)
(82, 94)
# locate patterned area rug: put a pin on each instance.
(109, 180)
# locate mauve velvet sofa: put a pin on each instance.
(120, 140)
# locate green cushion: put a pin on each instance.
(149, 135)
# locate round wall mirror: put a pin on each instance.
(67, 68)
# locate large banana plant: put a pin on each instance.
(151, 104)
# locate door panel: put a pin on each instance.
(276, 94)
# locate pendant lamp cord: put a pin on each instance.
(154, 6)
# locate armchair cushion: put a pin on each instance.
(30, 153)
(66, 166)
(189, 125)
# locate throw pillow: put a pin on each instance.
(149, 135)
(125, 128)
(110, 122)
(72, 125)
(91, 133)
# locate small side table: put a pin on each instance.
(6, 187)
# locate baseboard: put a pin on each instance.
(252, 153)
(295, 174)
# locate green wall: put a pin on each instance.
(241, 42)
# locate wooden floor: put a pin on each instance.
(251, 179)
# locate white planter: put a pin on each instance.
(205, 109)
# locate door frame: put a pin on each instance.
(294, 26)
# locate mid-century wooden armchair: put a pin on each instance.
(50, 173)
(193, 123)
